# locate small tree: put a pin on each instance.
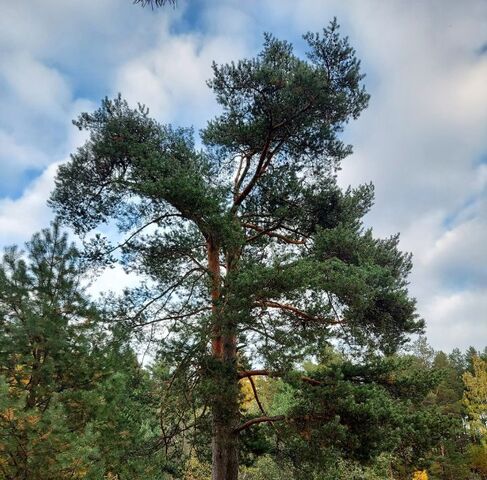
(47, 328)
(253, 254)
(475, 397)
(62, 375)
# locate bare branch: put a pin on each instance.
(277, 418)
(271, 233)
(296, 311)
(313, 381)
(242, 173)
(261, 167)
(174, 317)
(254, 373)
(251, 373)
(254, 421)
(168, 290)
(143, 227)
(256, 396)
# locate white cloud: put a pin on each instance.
(22, 155)
(420, 140)
(458, 320)
(461, 252)
(20, 218)
(113, 280)
(171, 78)
(35, 85)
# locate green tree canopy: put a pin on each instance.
(253, 255)
(475, 397)
(74, 403)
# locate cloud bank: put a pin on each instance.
(421, 142)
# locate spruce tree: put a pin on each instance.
(254, 258)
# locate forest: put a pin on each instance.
(76, 401)
(271, 334)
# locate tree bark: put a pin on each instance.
(226, 415)
(225, 408)
(224, 450)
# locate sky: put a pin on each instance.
(422, 141)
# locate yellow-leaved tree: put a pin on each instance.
(475, 397)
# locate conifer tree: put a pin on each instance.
(253, 255)
(44, 322)
(73, 401)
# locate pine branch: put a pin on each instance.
(261, 167)
(155, 3)
(299, 313)
(271, 233)
(257, 420)
(277, 418)
(252, 373)
(256, 396)
(255, 373)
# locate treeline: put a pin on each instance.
(76, 403)
(448, 396)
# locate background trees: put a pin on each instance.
(73, 401)
(475, 396)
(76, 403)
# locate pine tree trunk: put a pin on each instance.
(225, 407)
(224, 450)
(226, 415)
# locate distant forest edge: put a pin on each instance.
(75, 401)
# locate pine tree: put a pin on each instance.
(74, 402)
(254, 257)
(47, 328)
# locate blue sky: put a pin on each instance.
(422, 141)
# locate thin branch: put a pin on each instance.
(143, 227)
(256, 396)
(267, 336)
(296, 311)
(254, 421)
(261, 166)
(239, 178)
(174, 317)
(313, 381)
(277, 418)
(252, 373)
(270, 233)
(170, 289)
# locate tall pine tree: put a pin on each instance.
(254, 257)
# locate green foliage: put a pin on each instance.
(475, 397)
(253, 256)
(73, 401)
(355, 412)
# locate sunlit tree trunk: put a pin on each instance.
(225, 412)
